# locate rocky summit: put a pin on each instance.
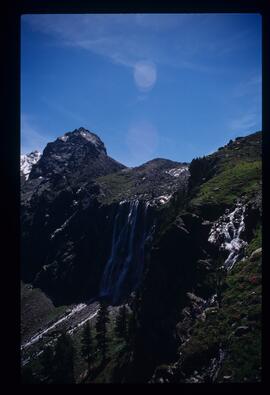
(27, 162)
(177, 244)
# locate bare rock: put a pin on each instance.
(256, 254)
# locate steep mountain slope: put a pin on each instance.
(60, 187)
(75, 194)
(201, 296)
(181, 244)
(154, 182)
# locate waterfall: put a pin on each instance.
(226, 233)
(124, 268)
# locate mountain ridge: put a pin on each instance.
(181, 264)
(75, 179)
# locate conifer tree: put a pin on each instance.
(47, 363)
(87, 349)
(64, 360)
(101, 329)
(121, 323)
(131, 329)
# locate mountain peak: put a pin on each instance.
(27, 162)
(82, 133)
(79, 152)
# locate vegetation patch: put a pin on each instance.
(115, 185)
(226, 187)
(37, 310)
(256, 242)
(235, 327)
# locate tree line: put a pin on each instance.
(57, 362)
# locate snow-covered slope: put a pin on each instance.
(27, 161)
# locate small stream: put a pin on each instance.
(226, 232)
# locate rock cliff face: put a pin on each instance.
(181, 243)
(86, 218)
(60, 226)
(193, 296)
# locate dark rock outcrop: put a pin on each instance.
(69, 206)
(61, 225)
(186, 239)
(183, 260)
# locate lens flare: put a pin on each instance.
(145, 75)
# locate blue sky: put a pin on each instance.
(174, 86)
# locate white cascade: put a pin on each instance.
(226, 233)
(124, 267)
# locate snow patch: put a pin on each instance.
(177, 171)
(39, 335)
(63, 138)
(83, 322)
(27, 162)
(90, 137)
